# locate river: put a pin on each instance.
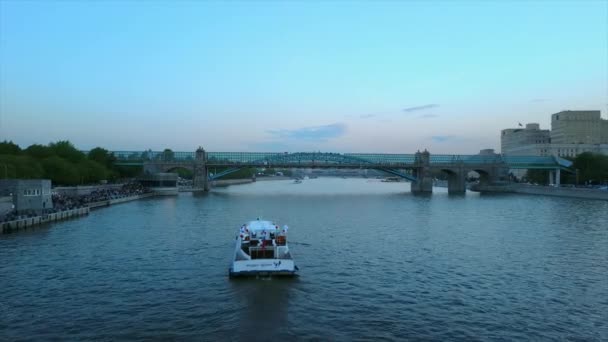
(376, 263)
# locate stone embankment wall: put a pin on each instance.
(26, 223)
(107, 203)
(23, 224)
(546, 191)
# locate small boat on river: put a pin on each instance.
(261, 250)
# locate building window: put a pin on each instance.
(31, 192)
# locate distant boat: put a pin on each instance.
(297, 181)
(391, 179)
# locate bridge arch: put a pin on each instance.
(484, 176)
(186, 172)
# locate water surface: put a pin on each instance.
(376, 263)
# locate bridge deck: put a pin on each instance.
(338, 160)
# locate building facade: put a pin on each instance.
(559, 150)
(512, 139)
(572, 133)
(579, 127)
(28, 194)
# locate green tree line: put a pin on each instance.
(588, 168)
(60, 162)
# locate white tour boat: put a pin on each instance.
(261, 249)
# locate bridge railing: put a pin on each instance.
(153, 155)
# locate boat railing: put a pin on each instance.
(269, 252)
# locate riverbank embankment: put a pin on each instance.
(527, 189)
(30, 222)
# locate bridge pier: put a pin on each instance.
(422, 172)
(457, 182)
(201, 172)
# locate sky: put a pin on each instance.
(331, 76)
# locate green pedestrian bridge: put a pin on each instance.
(416, 167)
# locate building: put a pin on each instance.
(28, 194)
(513, 139)
(576, 131)
(579, 127)
(559, 150)
(572, 133)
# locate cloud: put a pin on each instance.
(319, 133)
(423, 107)
(367, 116)
(443, 138)
(428, 116)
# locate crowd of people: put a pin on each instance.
(63, 202)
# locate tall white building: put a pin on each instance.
(579, 127)
(572, 133)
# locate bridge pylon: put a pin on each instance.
(457, 180)
(422, 172)
(201, 172)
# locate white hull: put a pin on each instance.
(263, 267)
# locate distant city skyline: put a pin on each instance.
(389, 77)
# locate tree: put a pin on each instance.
(183, 172)
(168, 155)
(91, 171)
(102, 156)
(67, 151)
(38, 151)
(592, 167)
(537, 176)
(270, 171)
(244, 173)
(60, 171)
(23, 167)
(8, 147)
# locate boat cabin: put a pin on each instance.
(263, 240)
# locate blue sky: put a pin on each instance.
(295, 76)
